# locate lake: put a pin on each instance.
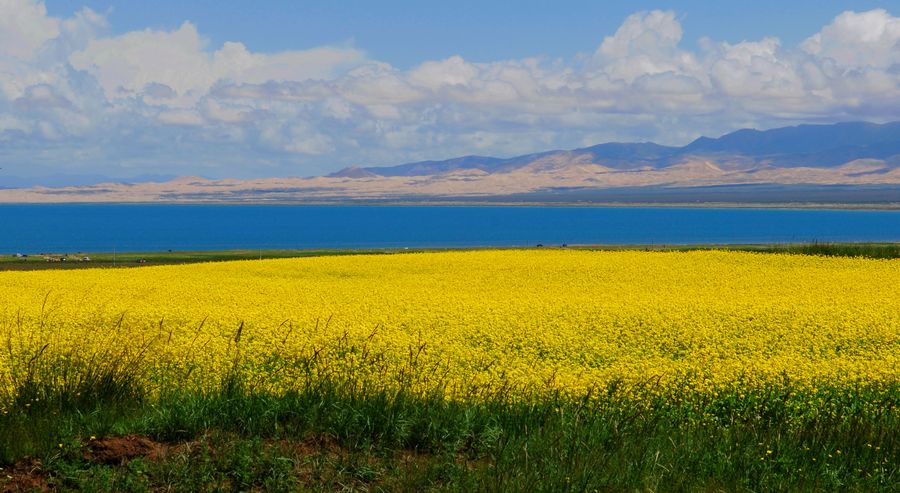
(107, 227)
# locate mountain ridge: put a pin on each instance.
(855, 162)
(800, 145)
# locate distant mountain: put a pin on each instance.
(807, 145)
(484, 163)
(787, 147)
(630, 156)
(855, 163)
(801, 139)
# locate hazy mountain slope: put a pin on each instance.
(856, 162)
(799, 146)
(801, 139)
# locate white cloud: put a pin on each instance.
(223, 112)
(453, 71)
(645, 44)
(305, 142)
(168, 96)
(180, 117)
(25, 27)
(756, 70)
(180, 60)
(859, 40)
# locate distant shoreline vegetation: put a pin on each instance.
(31, 261)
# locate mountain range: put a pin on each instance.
(843, 162)
(820, 146)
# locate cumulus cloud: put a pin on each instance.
(72, 93)
(180, 60)
(24, 28)
(646, 44)
(858, 40)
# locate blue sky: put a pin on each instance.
(404, 33)
(256, 89)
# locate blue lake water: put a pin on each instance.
(104, 228)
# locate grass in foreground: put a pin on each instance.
(101, 433)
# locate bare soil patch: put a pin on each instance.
(118, 450)
(25, 475)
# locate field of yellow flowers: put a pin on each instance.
(519, 323)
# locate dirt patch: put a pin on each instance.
(118, 450)
(317, 460)
(25, 475)
(310, 446)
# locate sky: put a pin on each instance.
(278, 88)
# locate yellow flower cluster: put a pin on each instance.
(473, 323)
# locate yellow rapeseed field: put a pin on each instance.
(474, 323)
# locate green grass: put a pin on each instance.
(865, 250)
(131, 259)
(329, 435)
(868, 250)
